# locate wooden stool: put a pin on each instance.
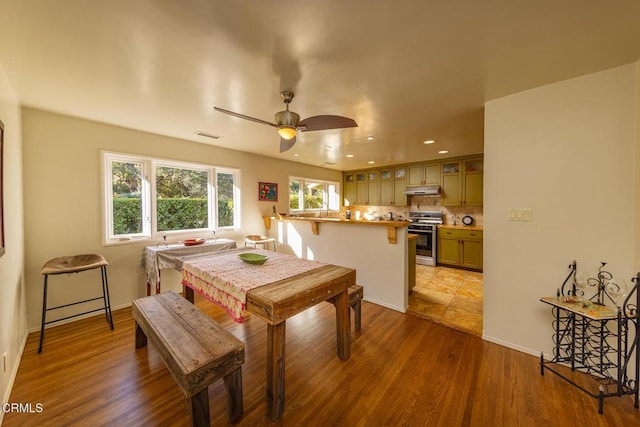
(196, 350)
(257, 239)
(356, 293)
(75, 264)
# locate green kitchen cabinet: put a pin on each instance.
(471, 254)
(462, 182)
(362, 190)
(458, 247)
(423, 174)
(448, 251)
(386, 187)
(399, 185)
(373, 188)
(349, 189)
(473, 182)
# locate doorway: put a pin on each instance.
(448, 296)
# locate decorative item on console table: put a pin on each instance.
(596, 335)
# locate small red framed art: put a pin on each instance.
(268, 191)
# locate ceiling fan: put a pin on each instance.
(288, 123)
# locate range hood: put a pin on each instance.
(428, 190)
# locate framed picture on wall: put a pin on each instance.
(1, 188)
(267, 191)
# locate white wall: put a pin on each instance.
(62, 193)
(636, 179)
(13, 326)
(381, 267)
(567, 151)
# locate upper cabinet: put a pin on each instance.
(473, 182)
(460, 179)
(424, 174)
(376, 187)
(399, 184)
(373, 188)
(362, 190)
(386, 187)
(349, 189)
(462, 182)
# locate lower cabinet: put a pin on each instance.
(413, 239)
(460, 248)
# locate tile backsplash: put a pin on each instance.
(451, 215)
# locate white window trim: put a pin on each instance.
(301, 194)
(149, 223)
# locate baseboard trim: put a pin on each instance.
(511, 345)
(14, 374)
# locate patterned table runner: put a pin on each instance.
(225, 279)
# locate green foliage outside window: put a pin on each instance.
(182, 214)
(181, 198)
(127, 215)
(173, 214)
(225, 199)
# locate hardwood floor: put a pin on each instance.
(403, 370)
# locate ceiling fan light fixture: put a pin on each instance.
(287, 132)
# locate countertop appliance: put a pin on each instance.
(425, 225)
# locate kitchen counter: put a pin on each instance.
(392, 226)
(461, 227)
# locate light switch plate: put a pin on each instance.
(520, 214)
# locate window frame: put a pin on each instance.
(149, 198)
(326, 201)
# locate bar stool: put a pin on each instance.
(257, 239)
(75, 264)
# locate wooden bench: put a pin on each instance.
(356, 293)
(195, 349)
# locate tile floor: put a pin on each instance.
(448, 296)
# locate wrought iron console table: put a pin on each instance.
(597, 335)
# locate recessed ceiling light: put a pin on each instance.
(371, 162)
(349, 155)
(371, 138)
(296, 155)
(206, 135)
(443, 151)
(429, 141)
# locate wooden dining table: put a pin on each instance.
(276, 301)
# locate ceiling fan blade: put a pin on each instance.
(286, 144)
(242, 116)
(326, 122)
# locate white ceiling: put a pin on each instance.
(406, 71)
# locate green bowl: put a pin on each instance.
(252, 258)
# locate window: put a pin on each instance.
(147, 198)
(306, 194)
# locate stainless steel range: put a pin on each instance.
(424, 224)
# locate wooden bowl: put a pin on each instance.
(193, 242)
